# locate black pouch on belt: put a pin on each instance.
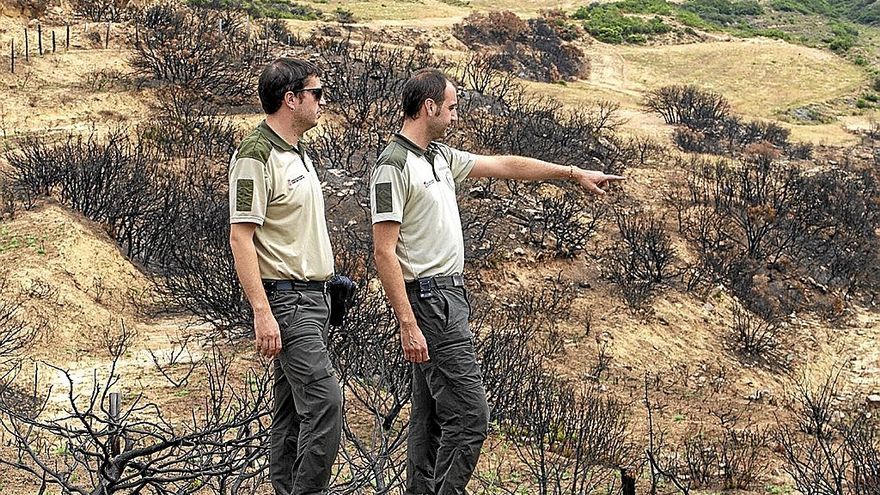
(341, 290)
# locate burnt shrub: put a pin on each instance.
(205, 51)
(565, 222)
(103, 10)
(491, 29)
(828, 445)
(641, 261)
(533, 49)
(758, 338)
(779, 236)
(366, 79)
(169, 216)
(523, 123)
(688, 105)
(511, 338)
(707, 126)
(186, 126)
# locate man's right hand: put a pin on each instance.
(415, 348)
(267, 334)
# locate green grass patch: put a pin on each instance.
(273, 9)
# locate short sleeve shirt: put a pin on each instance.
(274, 185)
(416, 188)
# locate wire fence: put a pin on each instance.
(37, 41)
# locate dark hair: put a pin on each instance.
(281, 76)
(423, 85)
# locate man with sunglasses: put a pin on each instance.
(283, 258)
(419, 253)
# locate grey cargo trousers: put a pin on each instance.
(307, 416)
(450, 416)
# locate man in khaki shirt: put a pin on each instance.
(419, 254)
(283, 259)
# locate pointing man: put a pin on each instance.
(419, 253)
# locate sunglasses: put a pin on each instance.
(318, 92)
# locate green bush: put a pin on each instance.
(844, 37)
(273, 9)
(821, 7)
(658, 7)
(862, 103)
(723, 12)
(608, 24)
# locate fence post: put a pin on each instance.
(40, 39)
(12, 53)
(27, 56)
(114, 418)
(53, 41)
(627, 482)
(67, 42)
(107, 36)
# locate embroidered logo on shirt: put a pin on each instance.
(244, 194)
(292, 182)
(429, 183)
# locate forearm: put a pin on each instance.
(248, 270)
(392, 281)
(525, 168)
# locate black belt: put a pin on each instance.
(440, 282)
(282, 285)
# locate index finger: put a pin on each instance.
(613, 177)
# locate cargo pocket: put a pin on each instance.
(284, 306)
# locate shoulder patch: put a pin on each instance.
(255, 146)
(395, 155)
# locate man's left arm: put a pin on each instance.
(523, 168)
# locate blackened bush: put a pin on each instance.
(111, 181)
(829, 447)
(530, 125)
(205, 51)
(696, 142)
(532, 49)
(103, 10)
(641, 261)
(755, 337)
(197, 268)
(484, 222)
(566, 221)
(491, 29)
(366, 79)
(841, 218)
(173, 221)
(508, 339)
(688, 105)
(571, 439)
(187, 126)
(370, 367)
(758, 200)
